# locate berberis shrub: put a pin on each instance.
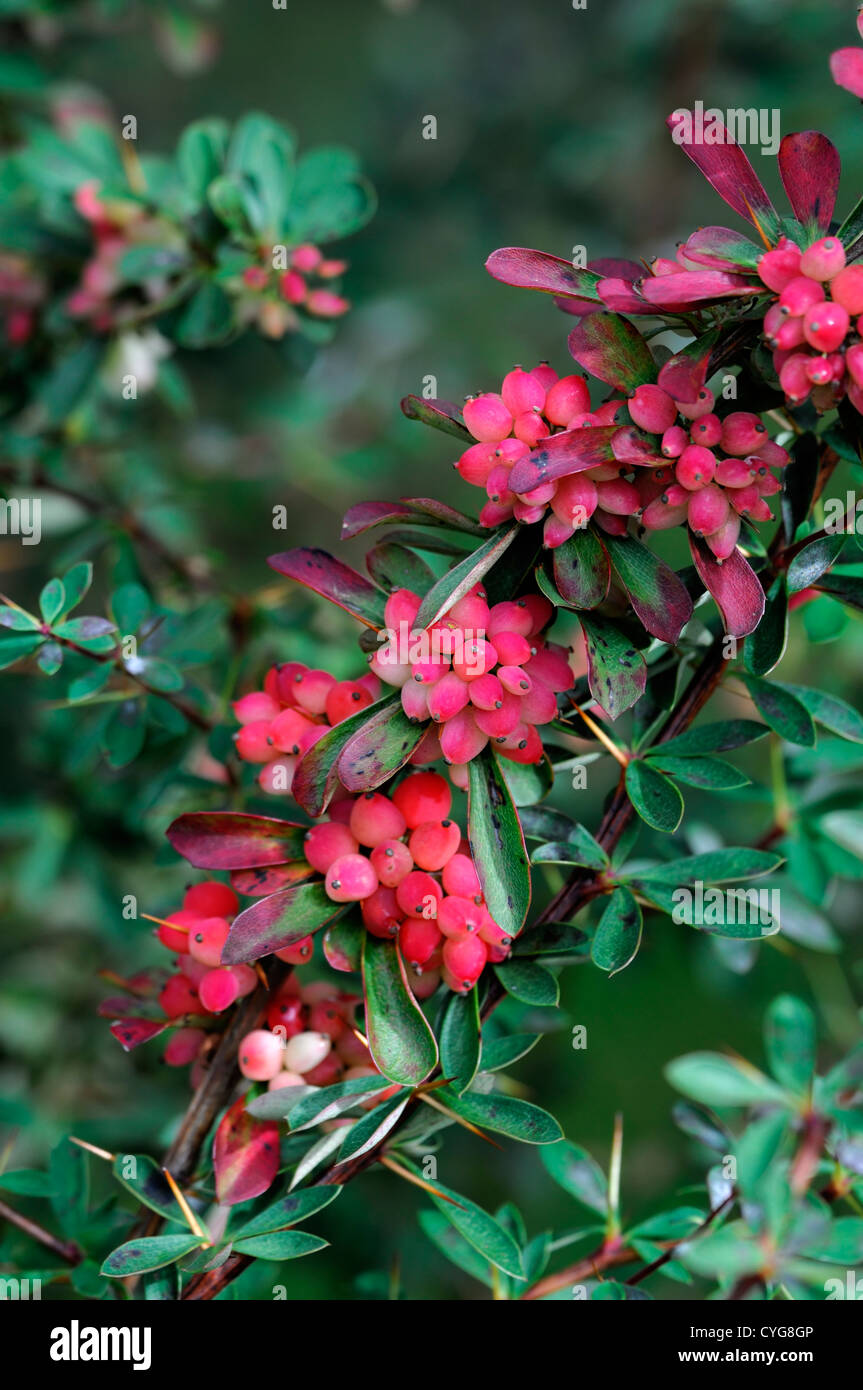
(382, 899)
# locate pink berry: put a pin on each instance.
(260, 1055)
(434, 843)
(825, 326)
(660, 515)
(514, 680)
(487, 417)
(789, 334)
(176, 936)
(392, 861)
(219, 989)
(277, 777)
(255, 742)
(854, 363)
(447, 697)
(460, 877)
(733, 473)
(512, 649)
(695, 467)
(794, 378)
(457, 915)
(325, 1073)
(298, 953)
(179, 996)
(652, 409)
(465, 957)
(207, 938)
(708, 510)
(502, 719)
(183, 1046)
(823, 259)
(550, 664)
(575, 500)
(620, 497)
(702, 405)
(521, 390)
(780, 265)
(476, 463)
(674, 441)
(418, 939)
(568, 396)
(707, 431)
(723, 541)
(423, 796)
(284, 1079)
(381, 912)
(461, 739)
(530, 428)
(492, 934)
(800, 294)
(211, 899)
(350, 879)
(306, 257)
(545, 374)
(311, 689)
(486, 693)
(418, 895)
(846, 289)
(375, 818)
(305, 1050)
(742, 432)
(255, 708)
(327, 842)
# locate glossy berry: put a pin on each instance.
(350, 878)
(434, 843)
(219, 989)
(305, 1051)
(211, 899)
(465, 958)
(327, 842)
(260, 1055)
(206, 939)
(423, 796)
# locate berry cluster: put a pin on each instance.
(405, 862)
(276, 295)
(310, 1039)
(116, 224)
(295, 708)
(720, 469)
(481, 672)
(532, 405)
(817, 349)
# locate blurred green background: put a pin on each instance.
(550, 133)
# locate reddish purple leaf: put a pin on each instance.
(536, 270)
(631, 445)
(611, 348)
(441, 415)
(684, 374)
(417, 511)
(230, 840)
(723, 164)
(692, 287)
(619, 295)
(245, 1155)
(377, 751)
(327, 576)
(809, 166)
(846, 67)
(722, 249)
(366, 515)
(278, 921)
(734, 585)
(562, 454)
(131, 1032)
(121, 1006)
(259, 883)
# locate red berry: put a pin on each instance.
(325, 1073)
(289, 730)
(350, 878)
(176, 938)
(742, 432)
(708, 510)
(418, 940)
(255, 708)
(800, 294)
(381, 912)
(183, 1046)
(375, 818)
(287, 1012)
(780, 265)
(460, 877)
(297, 954)
(695, 467)
(219, 989)
(651, 408)
(423, 796)
(206, 939)
(465, 958)
(346, 698)
(433, 844)
(418, 895)
(327, 842)
(179, 996)
(846, 289)
(449, 695)
(487, 417)
(325, 1016)
(255, 742)
(211, 899)
(392, 862)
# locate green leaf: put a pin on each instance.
(462, 577)
(378, 749)
(757, 1148)
(372, 1128)
(28, 1182)
(527, 782)
(835, 714)
(280, 1245)
(148, 1252)
(395, 566)
(711, 738)
(12, 649)
(441, 415)
(812, 561)
(573, 1169)
(785, 714)
(328, 1102)
(481, 1231)
(713, 1079)
(445, 1238)
(16, 620)
(555, 939)
(765, 646)
(201, 154)
(723, 1254)
(658, 596)
(52, 600)
(460, 1039)
(715, 774)
(714, 866)
(278, 921)
(528, 982)
(130, 605)
(497, 843)
(655, 798)
(579, 848)
(70, 1186)
(90, 683)
(287, 1211)
(582, 574)
(400, 1039)
(498, 1053)
(504, 1115)
(618, 935)
(143, 1177)
(123, 735)
(208, 318)
(616, 671)
(611, 348)
(790, 1042)
(50, 658)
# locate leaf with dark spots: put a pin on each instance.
(395, 566)
(684, 374)
(281, 920)
(618, 935)
(333, 580)
(457, 581)
(654, 796)
(316, 776)
(147, 1182)
(786, 715)
(616, 671)
(148, 1252)
(582, 574)
(536, 270)
(245, 1155)
(657, 595)
(441, 415)
(260, 883)
(632, 446)
(560, 455)
(377, 751)
(734, 585)
(502, 1114)
(232, 840)
(132, 1032)
(497, 843)
(609, 347)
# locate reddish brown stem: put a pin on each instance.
(66, 1249)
